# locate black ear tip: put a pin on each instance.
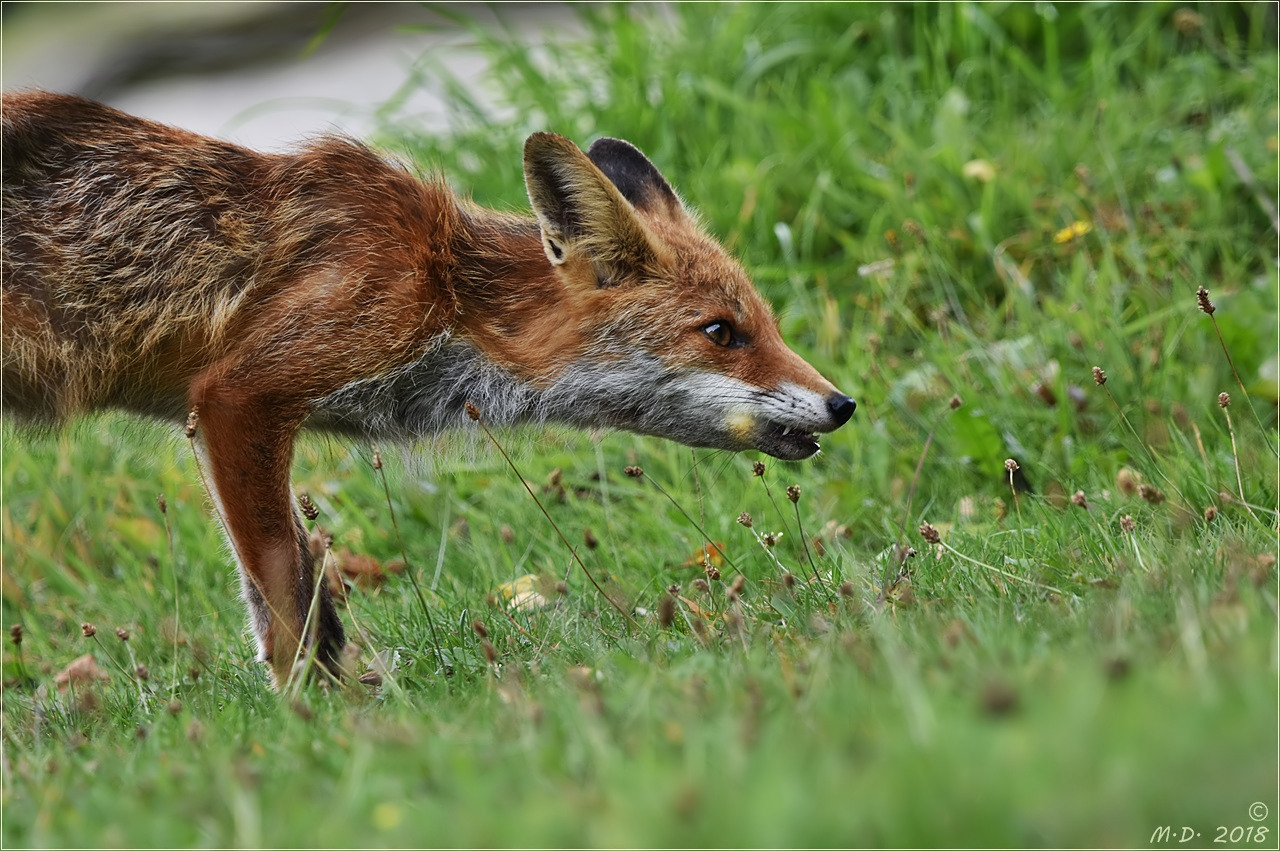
(607, 145)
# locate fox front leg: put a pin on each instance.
(248, 450)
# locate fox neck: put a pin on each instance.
(508, 302)
(509, 348)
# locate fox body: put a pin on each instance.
(150, 269)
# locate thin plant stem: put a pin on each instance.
(408, 566)
(1011, 467)
(816, 578)
(1235, 457)
(710, 543)
(809, 555)
(475, 415)
(995, 569)
(173, 573)
(309, 625)
(132, 675)
(1248, 401)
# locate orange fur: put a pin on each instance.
(150, 269)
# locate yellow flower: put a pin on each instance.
(1073, 231)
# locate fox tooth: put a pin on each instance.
(786, 430)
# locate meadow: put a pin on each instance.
(1026, 597)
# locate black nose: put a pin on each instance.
(841, 408)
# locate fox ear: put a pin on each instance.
(581, 211)
(637, 179)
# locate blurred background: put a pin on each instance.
(261, 74)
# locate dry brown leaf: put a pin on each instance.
(81, 671)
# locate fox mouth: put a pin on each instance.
(785, 442)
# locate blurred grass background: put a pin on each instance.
(973, 200)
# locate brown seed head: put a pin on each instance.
(1099, 377)
(788, 580)
(793, 493)
(735, 588)
(999, 698)
(929, 533)
(506, 533)
(163, 503)
(1127, 480)
(910, 552)
(1187, 21)
(142, 673)
(490, 654)
(701, 585)
(1202, 298)
(745, 519)
(377, 460)
(89, 630)
(1151, 493)
(562, 588)
(666, 610)
(1010, 465)
(757, 468)
(713, 572)
(122, 633)
(15, 634)
(589, 539)
(1127, 523)
(1078, 499)
(1224, 399)
(771, 538)
(1210, 513)
(480, 629)
(1046, 394)
(193, 420)
(846, 589)
(674, 589)
(472, 411)
(955, 402)
(732, 622)
(174, 707)
(634, 472)
(1116, 667)
(309, 509)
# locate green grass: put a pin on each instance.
(900, 180)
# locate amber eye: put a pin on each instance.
(720, 333)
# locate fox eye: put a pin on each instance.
(720, 333)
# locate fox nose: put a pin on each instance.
(841, 408)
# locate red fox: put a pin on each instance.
(150, 269)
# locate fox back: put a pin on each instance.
(154, 270)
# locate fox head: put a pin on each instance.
(661, 331)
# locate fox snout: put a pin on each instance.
(785, 422)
